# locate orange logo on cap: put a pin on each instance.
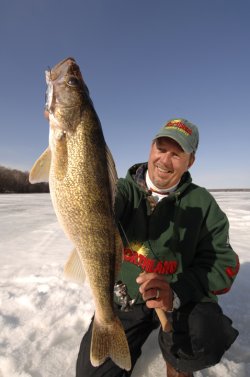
(177, 124)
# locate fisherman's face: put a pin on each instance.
(167, 162)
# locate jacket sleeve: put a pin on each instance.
(215, 264)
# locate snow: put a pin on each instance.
(43, 317)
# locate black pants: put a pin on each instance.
(201, 334)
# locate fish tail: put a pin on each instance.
(110, 341)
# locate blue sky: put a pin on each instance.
(144, 62)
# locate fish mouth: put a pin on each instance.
(66, 62)
(57, 73)
(49, 93)
(64, 93)
(59, 69)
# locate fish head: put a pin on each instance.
(66, 95)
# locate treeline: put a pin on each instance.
(16, 181)
(231, 190)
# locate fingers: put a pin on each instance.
(150, 294)
(143, 277)
(155, 291)
(153, 304)
(150, 284)
(46, 114)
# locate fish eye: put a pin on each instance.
(73, 81)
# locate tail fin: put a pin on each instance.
(110, 341)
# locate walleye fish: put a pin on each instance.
(82, 178)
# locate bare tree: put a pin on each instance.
(16, 181)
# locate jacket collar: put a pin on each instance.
(136, 174)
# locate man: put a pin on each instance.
(177, 258)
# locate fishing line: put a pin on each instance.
(129, 245)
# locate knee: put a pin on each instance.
(211, 332)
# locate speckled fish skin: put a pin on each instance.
(83, 200)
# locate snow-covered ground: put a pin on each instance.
(43, 317)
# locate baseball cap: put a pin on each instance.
(185, 133)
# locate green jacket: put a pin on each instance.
(184, 236)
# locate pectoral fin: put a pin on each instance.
(73, 269)
(40, 170)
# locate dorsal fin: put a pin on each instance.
(112, 174)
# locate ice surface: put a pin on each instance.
(43, 317)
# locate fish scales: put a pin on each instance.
(82, 176)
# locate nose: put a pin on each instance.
(166, 159)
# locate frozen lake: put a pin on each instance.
(43, 317)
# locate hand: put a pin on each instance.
(155, 291)
(46, 114)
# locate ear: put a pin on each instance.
(191, 160)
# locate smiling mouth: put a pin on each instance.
(163, 170)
